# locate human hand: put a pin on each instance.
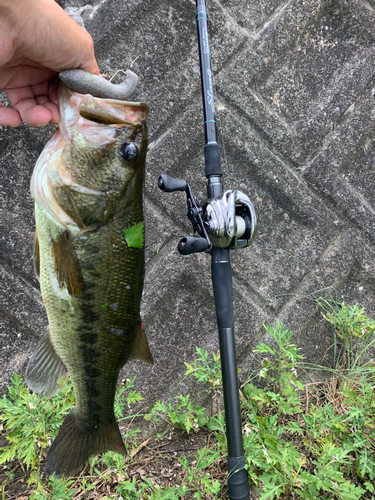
(37, 41)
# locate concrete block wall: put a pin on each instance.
(296, 103)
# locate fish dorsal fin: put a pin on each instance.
(36, 256)
(45, 370)
(67, 265)
(141, 349)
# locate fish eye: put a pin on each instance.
(129, 151)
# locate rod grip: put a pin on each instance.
(238, 481)
(222, 285)
(212, 159)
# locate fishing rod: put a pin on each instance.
(225, 221)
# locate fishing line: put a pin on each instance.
(229, 169)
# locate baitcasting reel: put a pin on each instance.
(228, 221)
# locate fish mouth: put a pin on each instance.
(112, 111)
(97, 118)
(99, 110)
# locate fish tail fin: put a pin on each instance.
(77, 441)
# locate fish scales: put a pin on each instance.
(88, 188)
(111, 297)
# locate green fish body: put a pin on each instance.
(88, 191)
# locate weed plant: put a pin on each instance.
(323, 450)
(354, 337)
(312, 441)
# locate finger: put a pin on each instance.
(40, 89)
(53, 93)
(44, 101)
(47, 93)
(55, 113)
(19, 95)
(25, 74)
(41, 99)
(52, 108)
(22, 100)
(9, 117)
(91, 66)
(88, 62)
(35, 116)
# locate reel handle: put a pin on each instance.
(169, 184)
(191, 244)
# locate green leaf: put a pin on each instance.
(369, 486)
(271, 491)
(134, 235)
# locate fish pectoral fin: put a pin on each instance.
(67, 266)
(45, 370)
(36, 256)
(141, 349)
(77, 441)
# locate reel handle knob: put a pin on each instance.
(169, 184)
(190, 244)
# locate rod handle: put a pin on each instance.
(238, 481)
(212, 159)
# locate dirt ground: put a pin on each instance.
(155, 459)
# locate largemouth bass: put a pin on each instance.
(89, 256)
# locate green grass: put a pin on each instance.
(312, 441)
